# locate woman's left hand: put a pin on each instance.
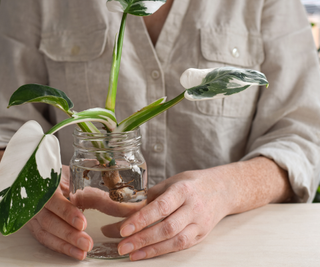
(188, 206)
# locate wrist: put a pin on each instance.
(221, 189)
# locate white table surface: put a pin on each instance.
(274, 235)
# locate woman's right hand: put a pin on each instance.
(60, 224)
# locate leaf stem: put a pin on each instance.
(114, 73)
(82, 123)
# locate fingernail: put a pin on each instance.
(84, 244)
(126, 248)
(127, 230)
(78, 223)
(138, 255)
(77, 253)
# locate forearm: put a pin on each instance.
(252, 184)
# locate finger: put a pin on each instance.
(112, 230)
(94, 198)
(54, 243)
(54, 225)
(65, 180)
(164, 230)
(185, 239)
(158, 209)
(64, 209)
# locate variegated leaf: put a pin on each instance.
(219, 82)
(37, 93)
(30, 173)
(135, 7)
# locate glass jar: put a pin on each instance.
(107, 171)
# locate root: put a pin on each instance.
(125, 194)
(119, 190)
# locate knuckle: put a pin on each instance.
(169, 228)
(141, 241)
(45, 222)
(31, 226)
(182, 189)
(185, 187)
(69, 237)
(64, 248)
(142, 220)
(61, 207)
(154, 251)
(41, 236)
(65, 213)
(198, 207)
(182, 242)
(163, 207)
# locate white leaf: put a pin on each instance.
(137, 7)
(115, 6)
(19, 150)
(151, 6)
(193, 77)
(48, 156)
(192, 98)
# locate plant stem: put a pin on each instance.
(114, 73)
(85, 128)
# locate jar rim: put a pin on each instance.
(106, 141)
(104, 133)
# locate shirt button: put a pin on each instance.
(158, 147)
(75, 50)
(155, 74)
(235, 52)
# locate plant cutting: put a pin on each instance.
(28, 184)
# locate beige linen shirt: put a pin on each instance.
(68, 44)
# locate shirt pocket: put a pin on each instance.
(76, 63)
(225, 47)
(74, 46)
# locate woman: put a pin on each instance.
(206, 159)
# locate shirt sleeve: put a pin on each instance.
(20, 63)
(286, 126)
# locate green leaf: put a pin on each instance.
(135, 7)
(30, 171)
(147, 113)
(44, 94)
(31, 93)
(219, 82)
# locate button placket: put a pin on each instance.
(155, 128)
